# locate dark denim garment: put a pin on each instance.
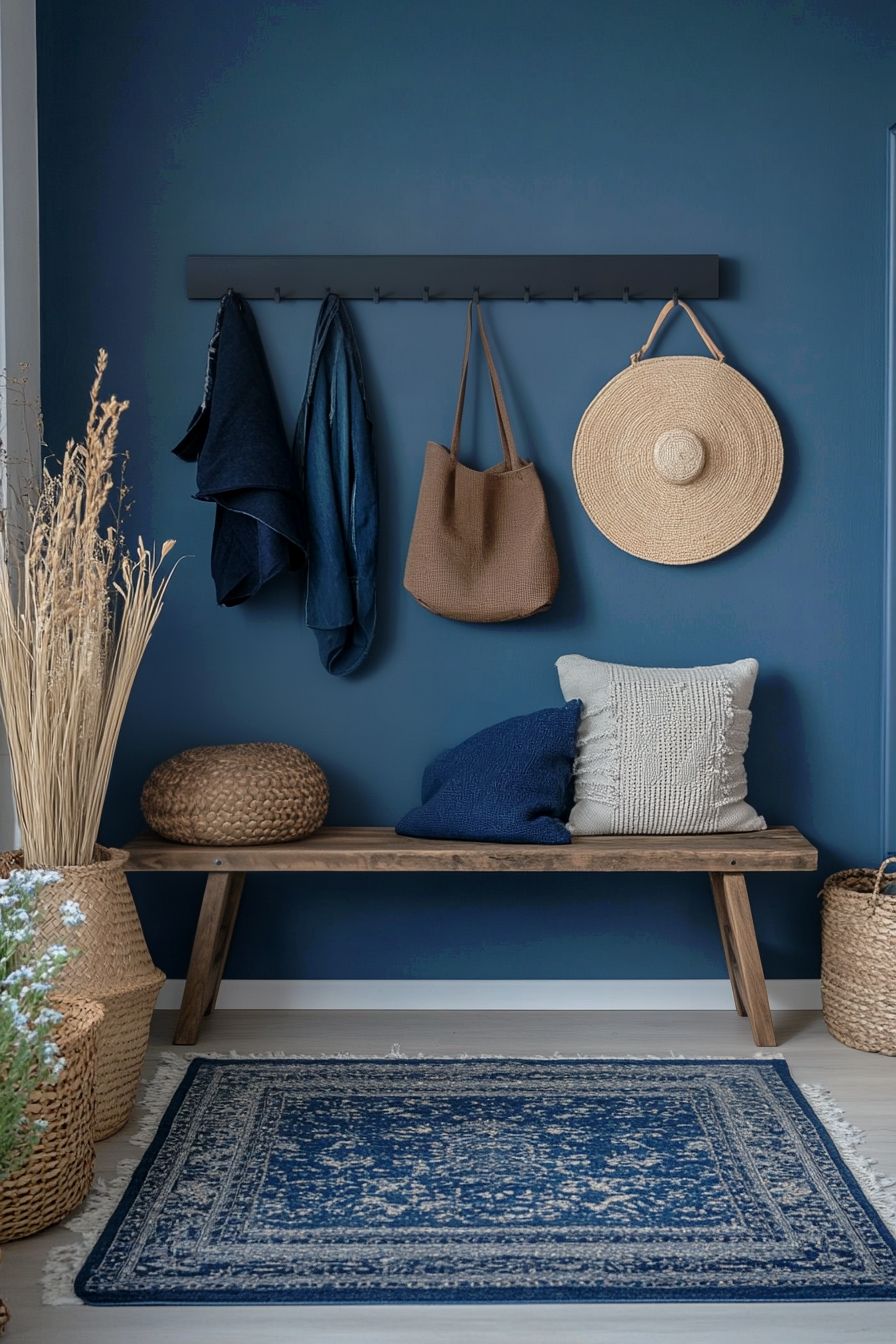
(244, 464)
(334, 449)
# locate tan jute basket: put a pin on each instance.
(677, 459)
(858, 958)
(112, 966)
(249, 793)
(59, 1172)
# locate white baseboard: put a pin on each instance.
(486, 994)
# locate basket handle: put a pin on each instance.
(879, 880)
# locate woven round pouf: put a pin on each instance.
(253, 793)
(858, 959)
(59, 1172)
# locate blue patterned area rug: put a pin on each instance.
(490, 1180)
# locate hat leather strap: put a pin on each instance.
(655, 330)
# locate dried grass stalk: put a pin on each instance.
(77, 609)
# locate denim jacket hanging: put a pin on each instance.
(243, 460)
(334, 449)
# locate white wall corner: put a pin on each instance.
(19, 228)
(19, 290)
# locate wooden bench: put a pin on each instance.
(368, 849)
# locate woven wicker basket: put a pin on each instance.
(123, 1038)
(113, 967)
(252, 793)
(60, 1171)
(858, 959)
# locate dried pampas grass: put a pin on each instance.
(77, 609)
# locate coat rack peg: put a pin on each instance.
(526, 294)
(625, 294)
(675, 295)
(276, 293)
(376, 293)
(476, 294)
(575, 294)
(426, 293)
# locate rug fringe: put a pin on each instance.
(64, 1262)
(849, 1140)
(156, 1096)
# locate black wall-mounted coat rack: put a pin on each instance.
(620, 276)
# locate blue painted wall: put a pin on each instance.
(756, 130)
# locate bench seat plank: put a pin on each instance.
(378, 849)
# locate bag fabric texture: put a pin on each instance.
(244, 466)
(333, 446)
(511, 783)
(660, 749)
(481, 548)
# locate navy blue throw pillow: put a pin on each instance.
(511, 783)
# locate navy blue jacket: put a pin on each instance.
(334, 450)
(244, 464)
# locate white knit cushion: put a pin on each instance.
(660, 749)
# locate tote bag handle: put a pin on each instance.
(655, 331)
(511, 458)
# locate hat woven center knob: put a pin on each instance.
(679, 456)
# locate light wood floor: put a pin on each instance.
(864, 1084)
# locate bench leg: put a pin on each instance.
(741, 950)
(214, 930)
(718, 895)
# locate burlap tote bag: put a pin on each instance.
(481, 548)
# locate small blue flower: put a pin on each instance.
(21, 975)
(72, 914)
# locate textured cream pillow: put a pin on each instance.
(660, 749)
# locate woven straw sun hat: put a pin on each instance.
(678, 458)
